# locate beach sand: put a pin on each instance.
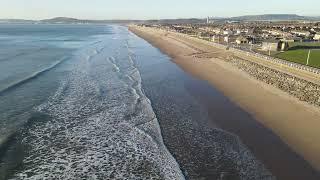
(296, 123)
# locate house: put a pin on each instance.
(216, 30)
(227, 32)
(252, 39)
(274, 45)
(204, 35)
(317, 37)
(301, 33)
(292, 39)
(284, 46)
(273, 32)
(271, 45)
(242, 40)
(210, 29)
(276, 33)
(217, 38)
(229, 39)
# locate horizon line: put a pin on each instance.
(148, 19)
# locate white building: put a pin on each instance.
(242, 31)
(270, 46)
(229, 39)
(210, 29)
(317, 37)
(227, 32)
(274, 46)
(301, 33)
(216, 30)
(209, 21)
(273, 32)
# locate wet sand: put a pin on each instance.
(259, 100)
(277, 156)
(203, 152)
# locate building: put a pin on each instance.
(210, 29)
(292, 39)
(317, 37)
(284, 46)
(275, 33)
(242, 40)
(301, 33)
(244, 31)
(253, 39)
(215, 30)
(217, 38)
(227, 32)
(229, 39)
(209, 21)
(274, 45)
(205, 36)
(270, 46)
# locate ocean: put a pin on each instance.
(72, 106)
(98, 102)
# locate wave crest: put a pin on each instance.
(102, 126)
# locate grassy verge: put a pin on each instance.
(305, 44)
(300, 56)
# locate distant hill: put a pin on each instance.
(264, 17)
(176, 21)
(67, 20)
(273, 17)
(158, 21)
(16, 21)
(60, 20)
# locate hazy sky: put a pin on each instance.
(151, 9)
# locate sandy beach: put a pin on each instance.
(296, 122)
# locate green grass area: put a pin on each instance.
(300, 56)
(304, 44)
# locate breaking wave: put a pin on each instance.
(101, 123)
(32, 76)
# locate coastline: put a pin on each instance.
(259, 99)
(202, 150)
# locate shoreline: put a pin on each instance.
(202, 151)
(276, 155)
(258, 98)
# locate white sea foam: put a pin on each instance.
(102, 126)
(112, 61)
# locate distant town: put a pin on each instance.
(297, 41)
(288, 37)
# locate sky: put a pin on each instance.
(152, 9)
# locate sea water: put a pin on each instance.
(72, 106)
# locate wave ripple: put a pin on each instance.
(102, 125)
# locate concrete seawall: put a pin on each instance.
(297, 87)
